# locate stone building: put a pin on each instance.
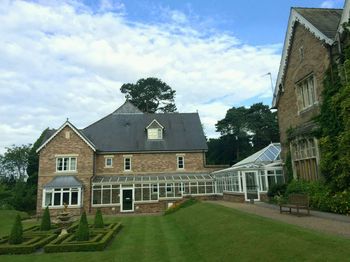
(128, 161)
(311, 43)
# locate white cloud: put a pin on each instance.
(64, 60)
(331, 3)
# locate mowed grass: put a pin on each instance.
(205, 232)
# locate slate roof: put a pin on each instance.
(124, 130)
(324, 19)
(63, 181)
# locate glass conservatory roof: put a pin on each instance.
(265, 156)
(151, 178)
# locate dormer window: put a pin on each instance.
(155, 133)
(154, 130)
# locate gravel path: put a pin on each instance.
(320, 221)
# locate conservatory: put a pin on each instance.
(253, 176)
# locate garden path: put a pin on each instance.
(319, 221)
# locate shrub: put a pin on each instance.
(277, 190)
(82, 233)
(16, 235)
(98, 223)
(175, 207)
(45, 220)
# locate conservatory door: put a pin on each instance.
(251, 185)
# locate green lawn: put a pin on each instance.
(205, 232)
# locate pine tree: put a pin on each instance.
(98, 223)
(46, 220)
(82, 233)
(16, 235)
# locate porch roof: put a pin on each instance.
(63, 181)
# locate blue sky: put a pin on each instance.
(68, 58)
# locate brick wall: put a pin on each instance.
(151, 163)
(316, 61)
(60, 145)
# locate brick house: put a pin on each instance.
(311, 43)
(128, 161)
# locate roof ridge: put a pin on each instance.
(316, 8)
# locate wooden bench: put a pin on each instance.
(296, 201)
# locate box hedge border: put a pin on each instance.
(29, 246)
(100, 243)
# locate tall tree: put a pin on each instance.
(243, 131)
(150, 95)
(15, 161)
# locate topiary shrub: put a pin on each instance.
(16, 235)
(82, 233)
(98, 223)
(46, 220)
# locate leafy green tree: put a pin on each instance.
(16, 235)
(46, 220)
(98, 223)
(15, 161)
(82, 233)
(33, 161)
(150, 95)
(243, 132)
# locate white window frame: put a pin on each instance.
(306, 97)
(155, 133)
(60, 191)
(68, 164)
(154, 188)
(130, 165)
(106, 162)
(178, 162)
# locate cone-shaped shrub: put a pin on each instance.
(98, 223)
(16, 235)
(46, 220)
(82, 233)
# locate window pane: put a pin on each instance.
(48, 199)
(65, 163)
(66, 198)
(127, 163)
(74, 199)
(57, 199)
(106, 197)
(59, 164)
(115, 196)
(96, 197)
(73, 164)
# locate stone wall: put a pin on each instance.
(316, 60)
(233, 197)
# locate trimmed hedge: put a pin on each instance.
(30, 244)
(16, 235)
(98, 223)
(98, 242)
(82, 234)
(46, 220)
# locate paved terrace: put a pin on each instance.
(319, 221)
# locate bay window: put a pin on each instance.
(57, 197)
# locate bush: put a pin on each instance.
(82, 233)
(277, 190)
(321, 196)
(98, 223)
(16, 235)
(174, 208)
(45, 220)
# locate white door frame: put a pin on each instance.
(122, 196)
(245, 184)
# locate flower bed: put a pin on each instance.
(99, 239)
